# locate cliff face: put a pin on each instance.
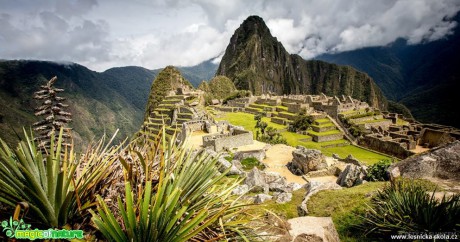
(256, 61)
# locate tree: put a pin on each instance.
(301, 122)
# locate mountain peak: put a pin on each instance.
(254, 60)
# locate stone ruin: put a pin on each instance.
(401, 141)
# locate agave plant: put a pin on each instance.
(407, 206)
(55, 116)
(182, 198)
(58, 187)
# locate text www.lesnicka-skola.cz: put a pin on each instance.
(426, 236)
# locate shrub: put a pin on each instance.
(378, 171)
(237, 94)
(301, 123)
(57, 187)
(406, 206)
(184, 198)
(251, 162)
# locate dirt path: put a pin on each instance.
(277, 158)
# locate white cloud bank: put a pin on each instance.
(153, 34)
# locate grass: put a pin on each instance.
(401, 122)
(322, 125)
(250, 163)
(344, 206)
(247, 121)
(286, 210)
(330, 132)
(372, 121)
(322, 120)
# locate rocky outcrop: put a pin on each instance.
(306, 160)
(312, 188)
(254, 60)
(240, 190)
(260, 181)
(442, 163)
(313, 229)
(283, 197)
(255, 179)
(257, 154)
(352, 175)
(261, 198)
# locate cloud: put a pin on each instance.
(103, 34)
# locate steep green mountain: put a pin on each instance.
(256, 61)
(169, 79)
(423, 77)
(99, 102)
(218, 87)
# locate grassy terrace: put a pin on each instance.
(323, 121)
(324, 133)
(372, 121)
(247, 121)
(322, 125)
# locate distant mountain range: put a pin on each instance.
(257, 61)
(424, 77)
(100, 102)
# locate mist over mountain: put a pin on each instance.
(423, 77)
(257, 61)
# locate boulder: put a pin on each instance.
(284, 197)
(215, 101)
(237, 164)
(350, 159)
(307, 160)
(257, 154)
(312, 188)
(275, 181)
(194, 103)
(224, 164)
(292, 186)
(352, 175)
(255, 179)
(240, 190)
(261, 198)
(313, 229)
(442, 163)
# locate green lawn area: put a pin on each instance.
(322, 125)
(323, 121)
(247, 121)
(344, 206)
(324, 133)
(372, 121)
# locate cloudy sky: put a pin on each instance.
(154, 33)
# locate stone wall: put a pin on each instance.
(296, 107)
(324, 138)
(385, 146)
(320, 129)
(270, 102)
(384, 124)
(434, 138)
(226, 141)
(331, 110)
(234, 103)
(278, 120)
(363, 119)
